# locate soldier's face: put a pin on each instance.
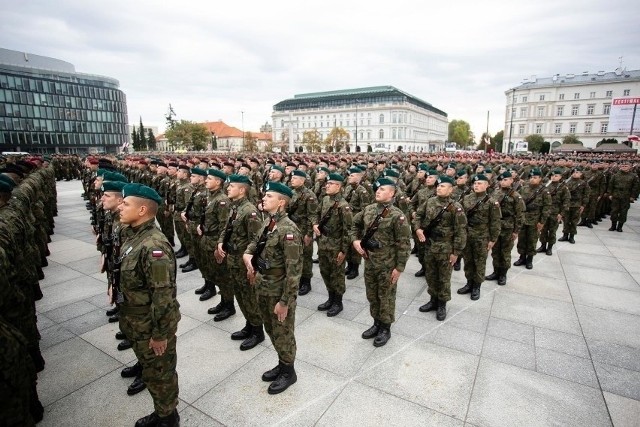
(236, 190)
(506, 182)
(130, 210)
(272, 201)
(354, 178)
(556, 177)
(297, 181)
(535, 180)
(444, 190)
(97, 183)
(480, 186)
(385, 193)
(275, 175)
(333, 187)
(212, 182)
(172, 171)
(111, 200)
(431, 180)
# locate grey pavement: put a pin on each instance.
(559, 345)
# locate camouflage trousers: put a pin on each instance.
(179, 227)
(501, 252)
(381, 294)
(282, 334)
(244, 292)
(190, 237)
(527, 240)
(353, 257)
(590, 210)
(307, 261)
(438, 274)
(166, 224)
(570, 224)
(332, 273)
(214, 272)
(548, 233)
(619, 208)
(475, 259)
(159, 374)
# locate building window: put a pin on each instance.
(574, 110)
(626, 92)
(538, 127)
(590, 109)
(558, 128)
(368, 134)
(521, 130)
(606, 108)
(381, 119)
(592, 95)
(572, 128)
(560, 110)
(541, 98)
(523, 111)
(588, 127)
(524, 99)
(393, 133)
(394, 118)
(609, 93)
(540, 111)
(604, 127)
(576, 95)
(561, 96)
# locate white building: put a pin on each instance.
(382, 117)
(571, 104)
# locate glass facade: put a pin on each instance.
(44, 111)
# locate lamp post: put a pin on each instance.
(356, 125)
(513, 103)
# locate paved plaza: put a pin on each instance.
(558, 346)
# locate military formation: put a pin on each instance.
(249, 225)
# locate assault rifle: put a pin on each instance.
(203, 212)
(510, 193)
(228, 229)
(466, 192)
(535, 194)
(428, 230)
(367, 242)
(116, 294)
(258, 263)
(190, 205)
(322, 225)
(472, 211)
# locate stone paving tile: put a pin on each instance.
(561, 342)
(614, 354)
(69, 311)
(610, 326)
(513, 331)
(567, 367)
(530, 284)
(509, 352)
(607, 298)
(618, 380)
(624, 412)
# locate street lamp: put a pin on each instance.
(356, 125)
(513, 113)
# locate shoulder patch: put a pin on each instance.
(157, 253)
(253, 215)
(289, 236)
(223, 203)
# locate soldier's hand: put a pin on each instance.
(221, 251)
(559, 218)
(340, 258)
(610, 197)
(539, 226)
(395, 275)
(581, 209)
(158, 347)
(514, 236)
(281, 311)
(421, 237)
(358, 247)
(490, 246)
(316, 230)
(246, 258)
(453, 258)
(307, 240)
(199, 230)
(183, 216)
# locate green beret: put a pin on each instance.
(335, 177)
(279, 187)
(239, 179)
(452, 165)
(535, 172)
(7, 180)
(480, 177)
(423, 167)
(461, 172)
(557, 172)
(362, 168)
(355, 170)
(101, 172)
(432, 172)
(116, 186)
(298, 172)
(46, 158)
(577, 169)
(391, 172)
(278, 168)
(217, 173)
(384, 181)
(198, 171)
(5, 187)
(139, 190)
(443, 179)
(323, 169)
(505, 174)
(488, 170)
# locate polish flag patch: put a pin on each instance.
(157, 254)
(289, 237)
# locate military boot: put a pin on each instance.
(136, 386)
(542, 248)
(228, 310)
(549, 249)
(372, 331)
(571, 239)
(202, 288)
(384, 333)
(172, 420)
(131, 371)
(619, 227)
(582, 223)
(328, 303)
(256, 337)
(564, 238)
(150, 420)
(355, 271)
(502, 278)
(123, 345)
(217, 308)
(492, 276)
(441, 314)
(243, 333)
(336, 307)
(614, 226)
(589, 223)
(465, 289)
(305, 286)
(431, 305)
(529, 262)
(286, 378)
(186, 264)
(521, 261)
(210, 292)
(456, 265)
(113, 311)
(115, 318)
(272, 374)
(181, 253)
(475, 292)
(348, 268)
(190, 267)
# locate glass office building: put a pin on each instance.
(47, 107)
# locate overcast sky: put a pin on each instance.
(211, 60)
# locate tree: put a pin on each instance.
(484, 138)
(250, 142)
(312, 141)
(189, 135)
(607, 141)
(571, 139)
(151, 140)
(497, 141)
(535, 142)
(546, 147)
(460, 132)
(214, 142)
(135, 139)
(142, 137)
(336, 140)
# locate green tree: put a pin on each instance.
(571, 139)
(535, 142)
(214, 142)
(606, 141)
(142, 137)
(482, 145)
(312, 141)
(336, 140)
(151, 140)
(188, 135)
(546, 147)
(497, 141)
(460, 132)
(135, 139)
(250, 142)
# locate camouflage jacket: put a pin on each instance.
(183, 193)
(246, 226)
(216, 216)
(393, 235)
(483, 216)
(449, 236)
(512, 209)
(560, 197)
(357, 196)
(283, 254)
(537, 202)
(624, 185)
(148, 284)
(579, 191)
(302, 209)
(338, 224)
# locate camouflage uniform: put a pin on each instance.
(358, 198)
(537, 202)
(164, 213)
(622, 188)
(302, 209)
(194, 211)
(579, 191)
(150, 310)
(559, 206)
(512, 209)
(184, 189)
